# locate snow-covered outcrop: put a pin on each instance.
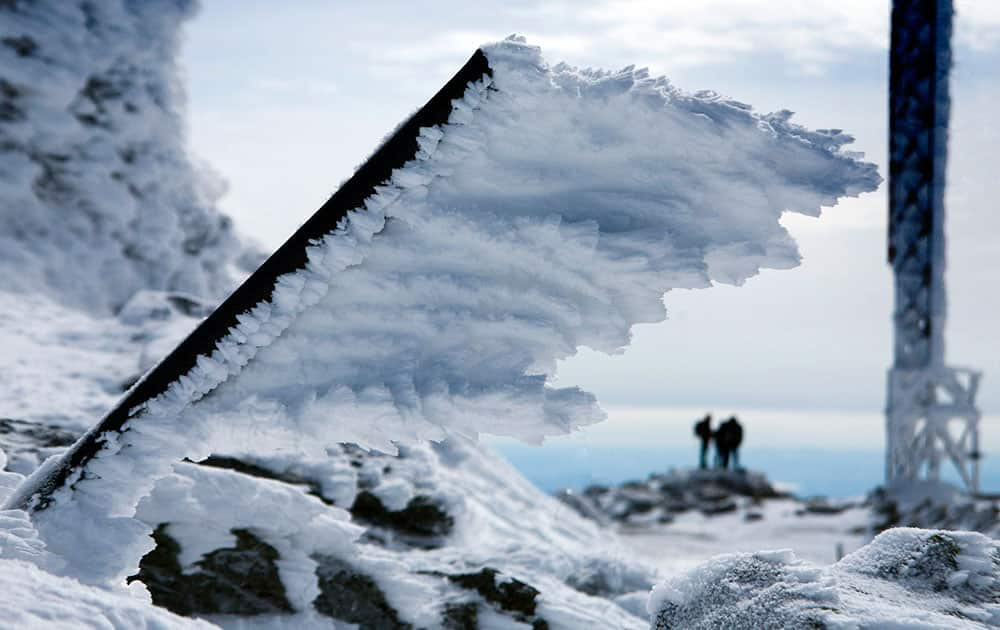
(435, 534)
(98, 197)
(905, 578)
(445, 535)
(661, 496)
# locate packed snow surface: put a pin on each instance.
(552, 211)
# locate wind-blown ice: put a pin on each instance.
(552, 211)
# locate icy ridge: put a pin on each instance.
(552, 211)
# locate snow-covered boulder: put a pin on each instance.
(905, 579)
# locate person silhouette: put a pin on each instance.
(727, 442)
(703, 430)
(736, 439)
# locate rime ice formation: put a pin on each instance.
(99, 198)
(905, 578)
(552, 211)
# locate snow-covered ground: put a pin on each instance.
(693, 538)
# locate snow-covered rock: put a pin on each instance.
(933, 504)
(905, 579)
(475, 541)
(657, 499)
(98, 196)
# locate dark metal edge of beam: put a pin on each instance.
(291, 256)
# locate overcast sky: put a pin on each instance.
(285, 99)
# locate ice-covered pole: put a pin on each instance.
(918, 151)
(924, 396)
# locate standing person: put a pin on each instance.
(722, 446)
(735, 439)
(703, 430)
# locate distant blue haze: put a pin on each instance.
(809, 471)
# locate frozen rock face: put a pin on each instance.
(905, 578)
(98, 197)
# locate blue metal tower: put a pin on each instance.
(931, 414)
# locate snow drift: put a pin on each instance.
(551, 211)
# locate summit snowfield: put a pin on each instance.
(317, 467)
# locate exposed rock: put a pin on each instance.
(505, 593)
(242, 580)
(348, 595)
(658, 498)
(464, 616)
(422, 523)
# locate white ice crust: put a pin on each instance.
(552, 211)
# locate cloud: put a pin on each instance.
(809, 37)
(296, 86)
(978, 24)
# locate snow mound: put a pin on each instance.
(98, 198)
(904, 578)
(553, 210)
(33, 598)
